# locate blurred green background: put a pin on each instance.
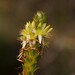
(59, 56)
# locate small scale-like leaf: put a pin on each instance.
(49, 30)
(27, 25)
(40, 38)
(39, 25)
(43, 26)
(24, 44)
(47, 27)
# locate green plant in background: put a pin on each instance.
(32, 38)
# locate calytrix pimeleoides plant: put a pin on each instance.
(32, 38)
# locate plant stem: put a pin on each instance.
(32, 43)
